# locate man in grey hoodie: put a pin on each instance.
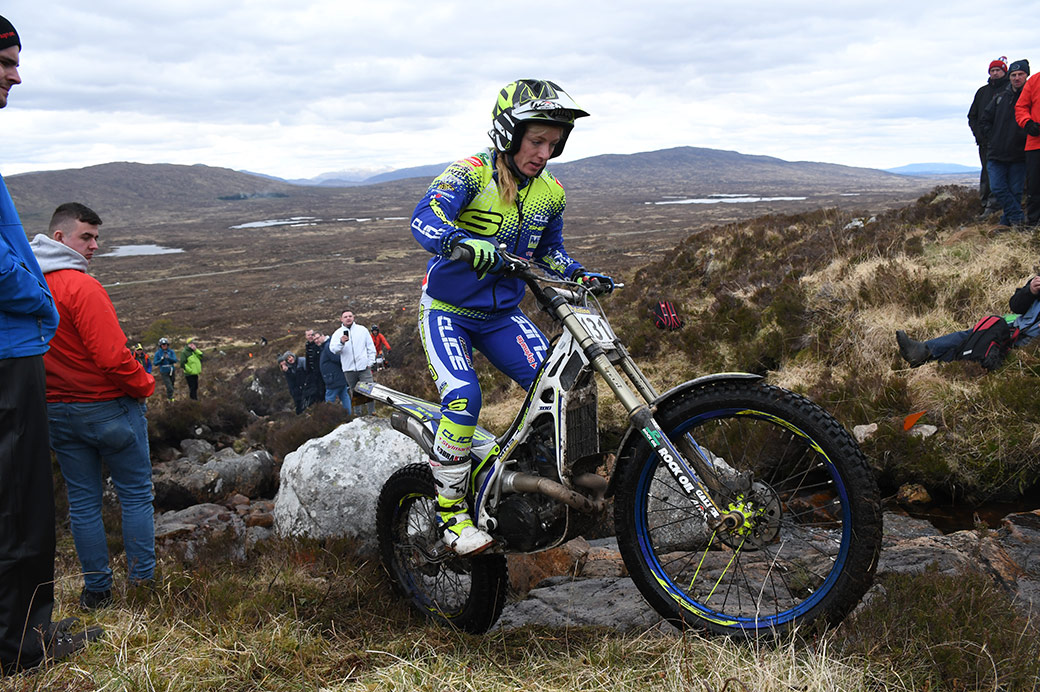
(96, 392)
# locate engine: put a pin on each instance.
(527, 521)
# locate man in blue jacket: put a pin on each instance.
(28, 319)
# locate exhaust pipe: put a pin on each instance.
(526, 483)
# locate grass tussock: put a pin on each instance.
(306, 614)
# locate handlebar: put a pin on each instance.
(522, 268)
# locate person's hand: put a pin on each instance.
(1034, 286)
(345, 338)
(1032, 128)
(596, 283)
(284, 366)
(482, 254)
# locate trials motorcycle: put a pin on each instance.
(740, 508)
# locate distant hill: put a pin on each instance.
(934, 169)
(154, 187)
(167, 190)
(724, 167)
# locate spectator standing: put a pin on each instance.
(353, 344)
(314, 386)
(28, 319)
(143, 358)
(295, 376)
(998, 80)
(166, 360)
(191, 363)
(96, 392)
(1027, 114)
(332, 374)
(1007, 157)
(382, 347)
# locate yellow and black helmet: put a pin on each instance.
(531, 100)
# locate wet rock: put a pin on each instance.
(913, 494)
(577, 558)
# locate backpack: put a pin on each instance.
(990, 340)
(665, 315)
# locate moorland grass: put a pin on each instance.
(311, 615)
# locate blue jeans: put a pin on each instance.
(342, 393)
(1007, 181)
(949, 347)
(82, 434)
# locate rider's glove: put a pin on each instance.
(1032, 128)
(596, 283)
(482, 255)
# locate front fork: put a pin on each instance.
(642, 418)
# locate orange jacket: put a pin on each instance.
(380, 342)
(1028, 108)
(88, 359)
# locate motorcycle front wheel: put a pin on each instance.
(808, 545)
(467, 593)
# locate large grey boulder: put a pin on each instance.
(329, 486)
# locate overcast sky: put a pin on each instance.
(302, 87)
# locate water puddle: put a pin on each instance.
(729, 199)
(137, 250)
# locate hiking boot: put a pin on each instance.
(63, 643)
(92, 600)
(457, 529)
(913, 352)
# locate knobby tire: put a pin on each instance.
(464, 593)
(810, 553)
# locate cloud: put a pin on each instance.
(294, 89)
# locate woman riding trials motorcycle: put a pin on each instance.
(502, 195)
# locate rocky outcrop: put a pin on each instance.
(1009, 555)
(329, 486)
(204, 475)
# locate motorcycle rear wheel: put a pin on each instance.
(466, 593)
(809, 548)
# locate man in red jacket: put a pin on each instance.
(1027, 114)
(96, 392)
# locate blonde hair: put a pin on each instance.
(507, 184)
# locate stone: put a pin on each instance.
(185, 482)
(913, 494)
(329, 486)
(864, 432)
(201, 530)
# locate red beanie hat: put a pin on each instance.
(1000, 62)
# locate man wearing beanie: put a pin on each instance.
(1027, 114)
(28, 319)
(1006, 165)
(998, 80)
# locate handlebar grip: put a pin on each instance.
(461, 252)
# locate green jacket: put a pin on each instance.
(192, 361)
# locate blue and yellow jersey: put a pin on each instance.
(463, 201)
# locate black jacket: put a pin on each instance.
(1006, 140)
(314, 385)
(295, 377)
(982, 98)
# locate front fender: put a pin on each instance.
(632, 436)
